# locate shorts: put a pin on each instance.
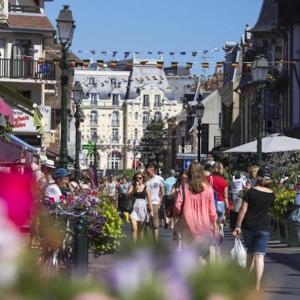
(155, 218)
(256, 241)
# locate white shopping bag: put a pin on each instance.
(238, 253)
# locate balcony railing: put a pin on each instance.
(27, 69)
(115, 123)
(24, 9)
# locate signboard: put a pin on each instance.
(186, 164)
(25, 123)
(187, 149)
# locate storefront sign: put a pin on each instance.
(25, 123)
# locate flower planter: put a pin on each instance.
(292, 237)
(275, 230)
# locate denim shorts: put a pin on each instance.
(256, 241)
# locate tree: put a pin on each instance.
(154, 144)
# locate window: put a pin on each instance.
(157, 117)
(146, 102)
(115, 161)
(157, 102)
(94, 117)
(115, 135)
(220, 120)
(94, 135)
(146, 118)
(115, 99)
(92, 81)
(136, 115)
(93, 99)
(135, 134)
(113, 82)
(115, 118)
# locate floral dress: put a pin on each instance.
(140, 212)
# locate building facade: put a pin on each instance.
(118, 105)
(24, 29)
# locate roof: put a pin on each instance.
(266, 19)
(30, 22)
(149, 74)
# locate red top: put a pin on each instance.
(219, 184)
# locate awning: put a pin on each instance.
(15, 99)
(6, 111)
(10, 153)
(21, 143)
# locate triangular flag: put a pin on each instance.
(205, 65)
(188, 66)
(93, 52)
(174, 65)
(126, 54)
(220, 64)
(194, 53)
(100, 63)
(113, 64)
(160, 65)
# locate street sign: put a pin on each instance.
(186, 164)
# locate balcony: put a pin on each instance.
(27, 69)
(115, 123)
(24, 9)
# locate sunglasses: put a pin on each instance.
(139, 177)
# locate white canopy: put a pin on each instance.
(273, 143)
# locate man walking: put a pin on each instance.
(155, 185)
(168, 205)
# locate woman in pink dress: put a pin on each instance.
(195, 204)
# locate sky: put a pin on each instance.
(157, 25)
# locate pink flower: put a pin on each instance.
(17, 195)
(51, 200)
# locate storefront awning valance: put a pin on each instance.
(21, 143)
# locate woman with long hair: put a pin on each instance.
(195, 204)
(142, 206)
(254, 220)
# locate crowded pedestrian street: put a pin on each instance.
(149, 150)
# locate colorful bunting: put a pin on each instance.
(188, 66)
(160, 65)
(194, 53)
(205, 65)
(234, 65)
(100, 63)
(113, 64)
(174, 65)
(93, 52)
(86, 63)
(220, 64)
(126, 54)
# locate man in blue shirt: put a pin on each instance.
(168, 205)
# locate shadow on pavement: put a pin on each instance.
(291, 260)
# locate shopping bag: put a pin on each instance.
(238, 253)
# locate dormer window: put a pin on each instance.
(113, 82)
(92, 81)
(157, 101)
(115, 99)
(146, 102)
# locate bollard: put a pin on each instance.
(81, 252)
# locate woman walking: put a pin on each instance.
(142, 203)
(254, 221)
(195, 204)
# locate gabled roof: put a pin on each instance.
(266, 19)
(30, 22)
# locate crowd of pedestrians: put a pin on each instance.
(195, 205)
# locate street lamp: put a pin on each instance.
(65, 28)
(199, 116)
(95, 140)
(260, 71)
(182, 134)
(135, 153)
(77, 98)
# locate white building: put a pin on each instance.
(118, 106)
(24, 29)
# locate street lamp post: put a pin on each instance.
(77, 98)
(65, 28)
(182, 134)
(260, 71)
(95, 140)
(199, 115)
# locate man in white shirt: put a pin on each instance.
(53, 191)
(155, 185)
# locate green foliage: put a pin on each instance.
(283, 203)
(154, 145)
(128, 173)
(109, 240)
(8, 128)
(222, 280)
